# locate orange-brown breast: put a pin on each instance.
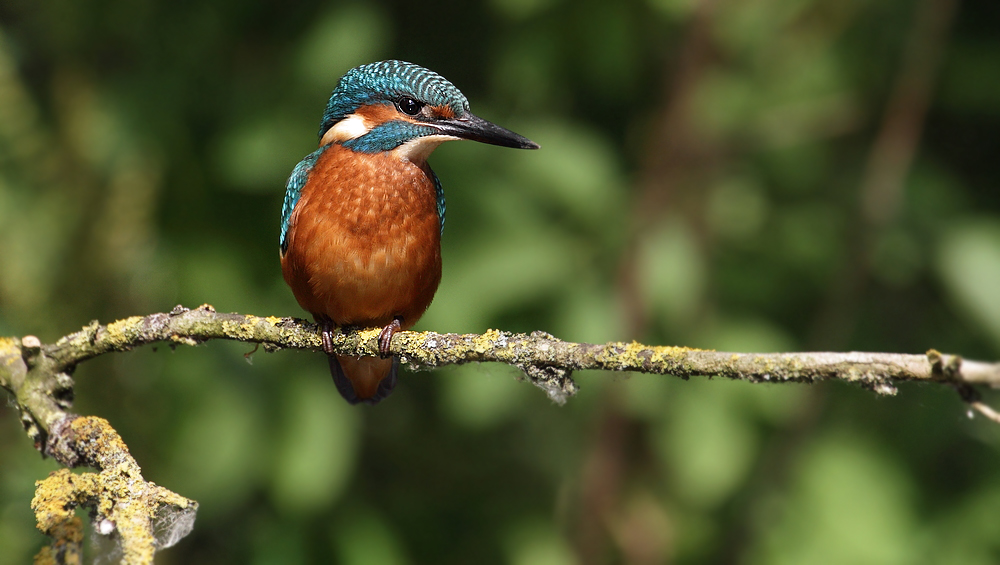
(364, 243)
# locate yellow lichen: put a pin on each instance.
(118, 493)
(485, 342)
(630, 355)
(238, 330)
(607, 354)
(65, 548)
(625, 356)
(121, 332)
(669, 353)
(9, 351)
(369, 335)
(56, 497)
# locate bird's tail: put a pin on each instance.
(364, 379)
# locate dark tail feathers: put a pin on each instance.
(346, 385)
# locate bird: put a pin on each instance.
(363, 215)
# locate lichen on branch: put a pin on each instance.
(141, 516)
(38, 376)
(546, 360)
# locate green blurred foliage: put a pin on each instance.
(701, 183)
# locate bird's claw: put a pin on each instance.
(326, 336)
(385, 337)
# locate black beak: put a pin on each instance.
(477, 129)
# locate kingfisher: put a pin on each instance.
(363, 215)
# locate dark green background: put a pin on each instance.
(701, 182)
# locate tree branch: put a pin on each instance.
(142, 516)
(38, 375)
(548, 361)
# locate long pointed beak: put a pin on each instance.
(477, 129)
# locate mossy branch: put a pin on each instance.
(38, 375)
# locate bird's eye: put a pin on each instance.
(409, 106)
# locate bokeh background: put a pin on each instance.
(749, 176)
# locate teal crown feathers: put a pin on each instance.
(386, 82)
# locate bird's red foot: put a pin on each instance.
(326, 335)
(385, 338)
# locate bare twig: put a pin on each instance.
(985, 410)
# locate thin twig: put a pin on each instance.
(985, 410)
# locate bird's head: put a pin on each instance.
(402, 107)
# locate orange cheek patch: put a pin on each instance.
(443, 111)
(376, 114)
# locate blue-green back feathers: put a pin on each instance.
(293, 189)
(439, 192)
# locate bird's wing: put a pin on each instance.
(293, 189)
(439, 192)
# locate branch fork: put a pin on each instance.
(144, 517)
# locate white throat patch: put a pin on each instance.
(417, 150)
